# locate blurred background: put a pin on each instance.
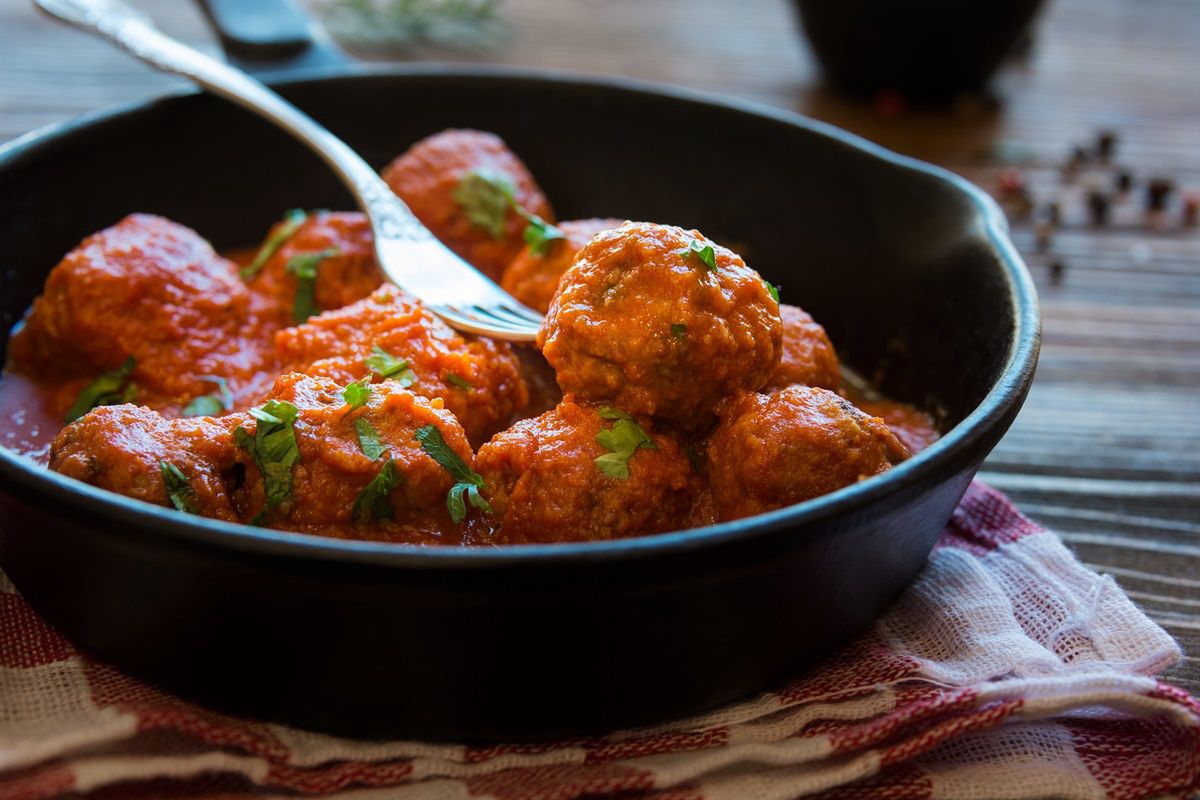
(1088, 132)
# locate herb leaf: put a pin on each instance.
(358, 393)
(622, 441)
(372, 501)
(273, 447)
(772, 290)
(485, 196)
(292, 221)
(210, 405)
(458, 381)
(109, 389)
(368, 438)
(304, 267)
(386, 365)
(538, 233)
(466, 480)
(179, 490)
(704, 252)
(678, 330)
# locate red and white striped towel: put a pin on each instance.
(1008, 670)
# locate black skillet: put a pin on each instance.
(909, 268)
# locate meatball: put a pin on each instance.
(770, 451)
(478, 379)
(150, 289)
(456, 183)
(544, 483)
(348, 272)
(808, 356)
(533, 275)
(130, 450)
(658, 320)
(338, 457)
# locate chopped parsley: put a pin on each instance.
(622, 440)
(538, 234)
(304, 267)
(358, 393)
(179, 490)
(291, 223)
(372, 501)
(368, 439)
(211, 405)
(273, 447)
(704, 252)
(458, 381)
(485, 196)
(678, 330)
(107, 390)
(772, 290)
(467, 481)
(386, 365)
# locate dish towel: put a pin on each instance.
(1008, 670)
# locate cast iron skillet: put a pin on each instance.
(908, 267)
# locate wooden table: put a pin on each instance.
(1107, 450)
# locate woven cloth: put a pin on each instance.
(1009, 670)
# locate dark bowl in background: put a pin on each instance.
(922, 49)
(908, 266)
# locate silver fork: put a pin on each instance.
(408, 253)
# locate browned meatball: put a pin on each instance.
(545, 485)
(478, 379)
(770, 451)
(150, 289)
(124, 448)
(445, 180)
(534, 274)
(808, 356)
(333, 467)
(661, 321)
(348, 272)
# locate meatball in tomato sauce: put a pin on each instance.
(582, 473)
(660, 321)
(472, 192)
(770, 451)
(391, 335)
(339, 248)
(534, 274)
(808, 356)
(149, 290)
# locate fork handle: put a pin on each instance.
(134, 33)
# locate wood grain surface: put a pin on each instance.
(1107, 450)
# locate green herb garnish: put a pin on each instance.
(273, 447)
(210, 405)
(538, 234)
(386, 365)
(704, 252)
(179, 490)
(485, 196)
(358, 393)
(459, 382)
(291, 223)
(678, 330)
(466, 480)
(372, 501)
(622, 441)
(304, 267)
(107, 390)
(368, 438)
(773, 290)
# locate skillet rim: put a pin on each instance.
(966, 442)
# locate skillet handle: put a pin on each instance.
(270, 37)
